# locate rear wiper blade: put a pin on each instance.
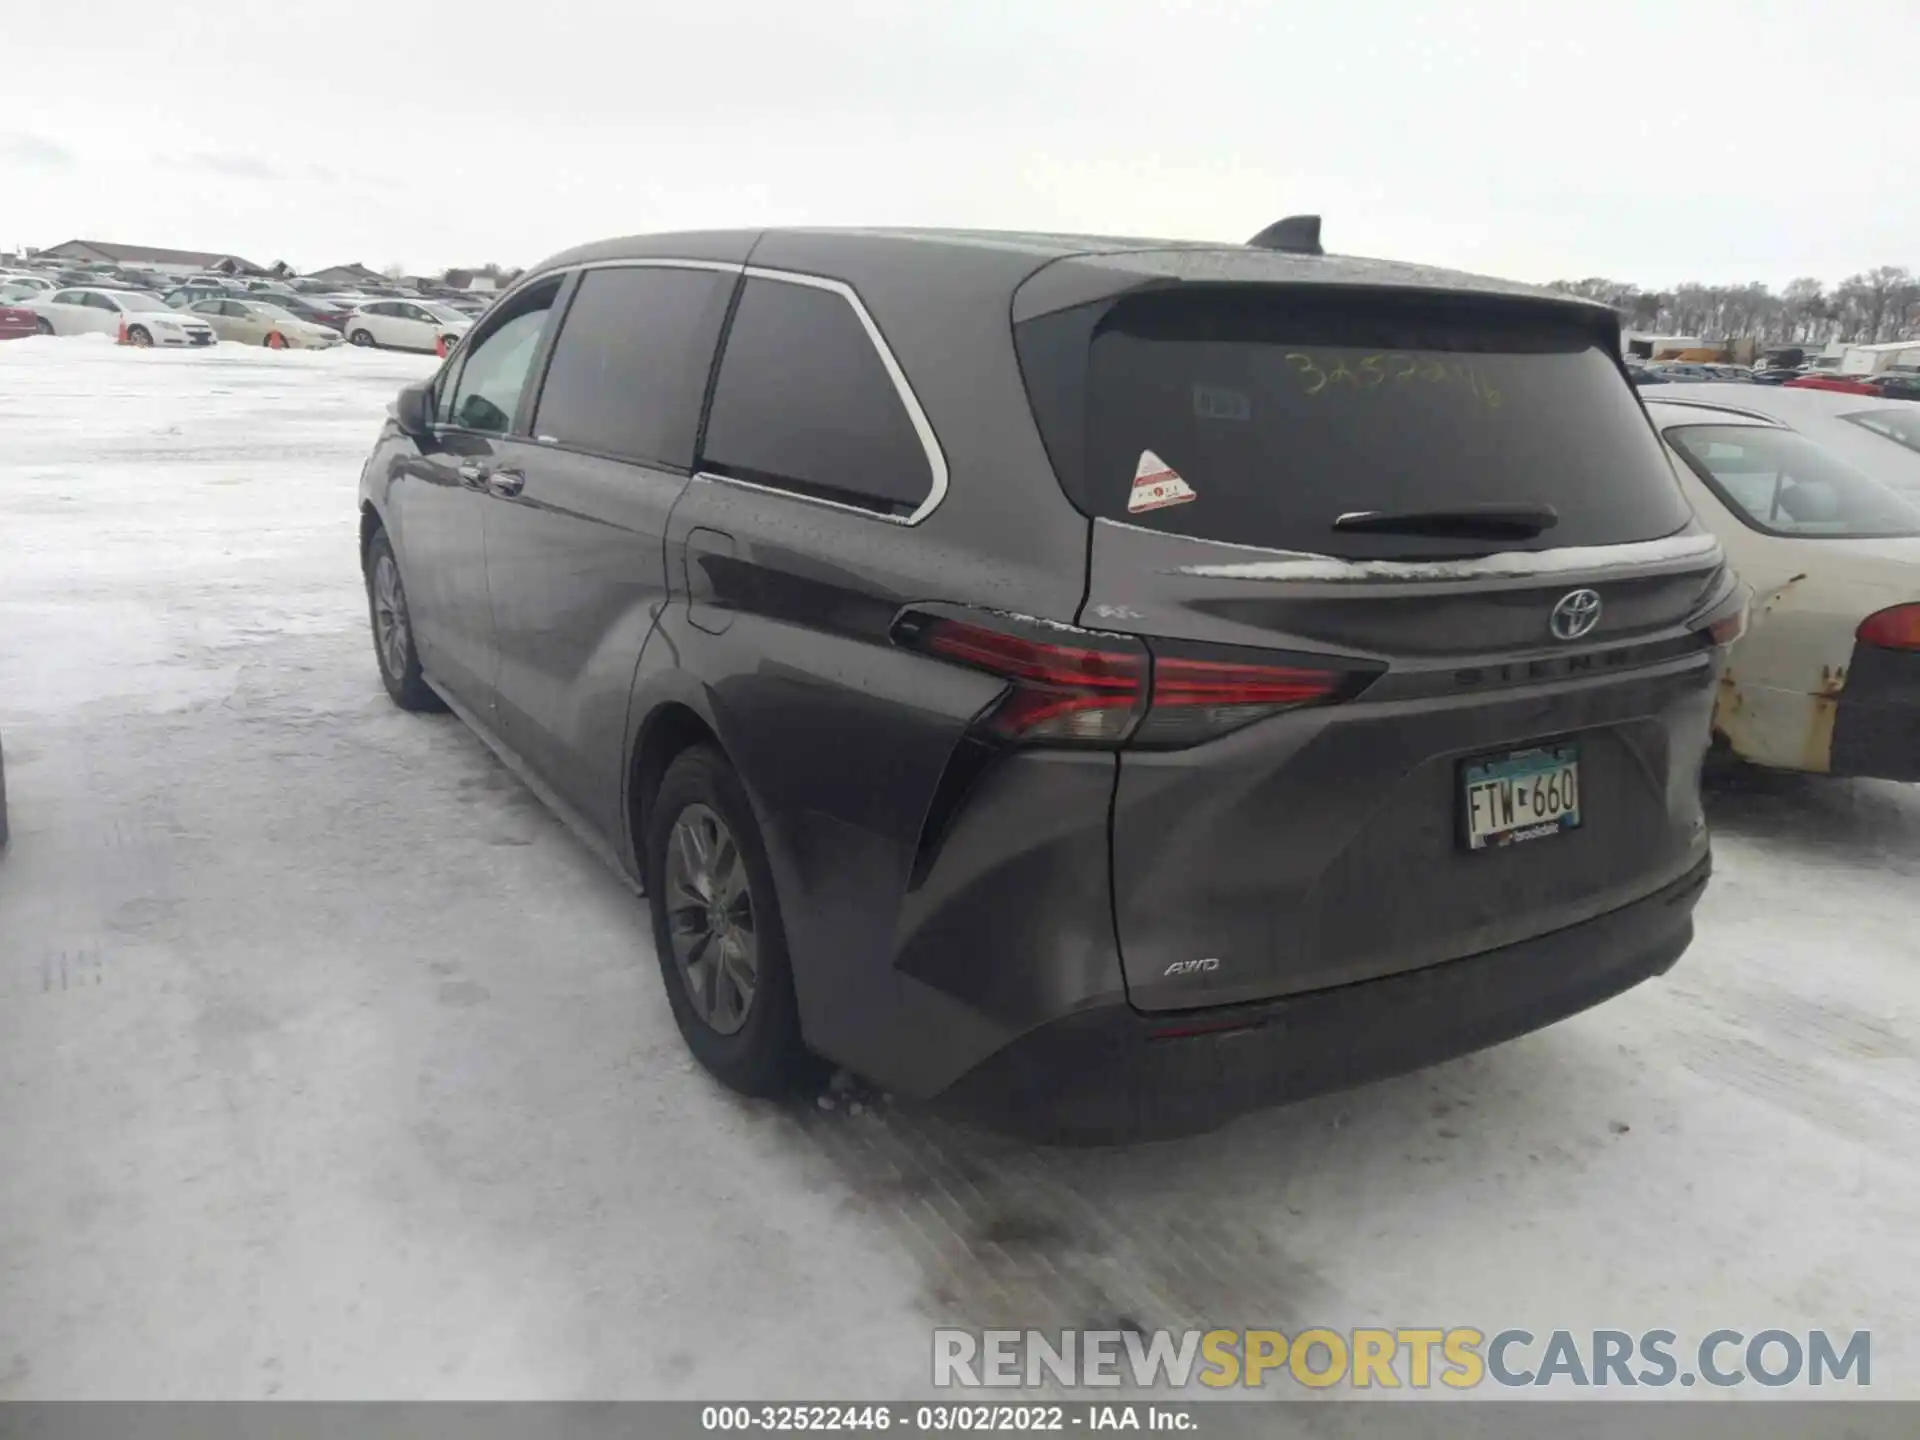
(1464, 522)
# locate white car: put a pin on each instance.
(259, 322)
(1857, 428)
(15, 288)
(407, 325)
(1827, 677)
(148, 321)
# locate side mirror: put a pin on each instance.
(413, 410)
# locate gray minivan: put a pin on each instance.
(1106, 684)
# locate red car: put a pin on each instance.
(15, 322)
(1831, 382)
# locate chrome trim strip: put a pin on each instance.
(916, 414)
(731, 267)
(804, 498)
(923, 427)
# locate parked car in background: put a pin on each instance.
(25, 287)
(92, 310)
(406, 325)
(1774, 374)
(313, 308)
(17, 321)
(143, 280)
(1276, 793)
(1644, 375)
(185, 293)
(256, 322)
(1827, 678)
(1675, 370)
(1855, 428)
(1895, 384)
(1840, 384)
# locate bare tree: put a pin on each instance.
(1878, 304)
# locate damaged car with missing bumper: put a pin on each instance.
(1820, 513)
(1105, 685)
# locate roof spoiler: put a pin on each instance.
(1297, 235)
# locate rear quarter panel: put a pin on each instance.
(1778, 695)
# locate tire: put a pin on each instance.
(393, 648)
(275, 340)
(1723, 768)
(362, 338)
(137, 335)
(761, 1053)
(43, 325)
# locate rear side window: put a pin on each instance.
(630, 368)
(1782, 483)
(1901, 426)
(805, 403)
(1277, 412)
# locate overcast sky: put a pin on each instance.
(1714, 140)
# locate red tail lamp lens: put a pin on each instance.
(1894, 629)
(1103, 694)
(1071, 694)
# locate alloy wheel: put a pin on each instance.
(710, 919)
(390, 617)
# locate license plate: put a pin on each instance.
(1520, 796)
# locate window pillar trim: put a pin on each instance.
(916, 413)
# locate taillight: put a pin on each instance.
(1060, 694)
(1894, 629)
(1731, 615)
(1195, 700)
(1729, 628)
(1098, 689)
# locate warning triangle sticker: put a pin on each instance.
(1156, 486)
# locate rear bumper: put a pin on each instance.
(1876, 726)
(1112, 1074)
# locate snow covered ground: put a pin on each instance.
(331, 1066)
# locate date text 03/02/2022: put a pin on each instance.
(942, 1417)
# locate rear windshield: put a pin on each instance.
(1781, 482)
(1276, 414)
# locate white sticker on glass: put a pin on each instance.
(1156, 486)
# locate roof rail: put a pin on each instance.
(1297, 235)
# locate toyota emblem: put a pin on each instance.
(1576, 614)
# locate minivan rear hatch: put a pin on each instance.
(1416, 482)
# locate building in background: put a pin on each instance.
(352, 274)
(150, 257)
(1873, 359)
(1640, 346)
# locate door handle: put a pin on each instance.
(473, 476)
(506, 483)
